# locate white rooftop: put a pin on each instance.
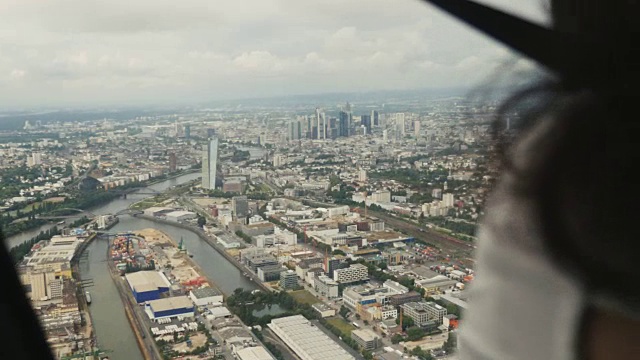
(253, 353)
(176, 302)
(147, 280)
(308, 341)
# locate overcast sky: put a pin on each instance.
(98, 52)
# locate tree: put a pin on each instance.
(344, 311)
(415, 333)
(396, 338)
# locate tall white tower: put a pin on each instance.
(210, 163)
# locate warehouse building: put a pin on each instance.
(157, 211)
(252, 353)
(178, 216)
(367, 339)
(306, 340)
(206, 296)
(436, 285)
(147, 285)
(168, 308)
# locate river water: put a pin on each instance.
(110, 322)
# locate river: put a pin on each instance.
(110, 322)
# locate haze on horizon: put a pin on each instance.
(81, 53)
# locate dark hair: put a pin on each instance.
(584, 187)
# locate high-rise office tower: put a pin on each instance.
(375, 117)
(416, 128)
(366, 121)
(400, 126)
(309, 125)
(343, 124)
(294, 130)
(211, 133)
(210, 164)
(385, 135)
(187, 131)
(321, 124)
(173, 162)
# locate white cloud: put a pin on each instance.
(78, 51)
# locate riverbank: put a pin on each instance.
(155, 337)
(145, 343)
(206, 238)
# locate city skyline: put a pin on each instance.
(83, 54)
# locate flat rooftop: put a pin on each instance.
(172, 303)
(306, 338)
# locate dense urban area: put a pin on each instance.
(354, 223)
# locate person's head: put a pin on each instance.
(584, 185)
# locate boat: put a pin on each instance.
(88, 296)
(60, 222)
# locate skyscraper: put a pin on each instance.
(173, 162)
(343, 124)
(400, 126)
(366, 121)
(416, 128)
(187, 131)
(375, 117)
(294, 130)
(210, 164)
(321, 124)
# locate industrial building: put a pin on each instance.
(324, 310)
(167, 308)
(157, 211)
(354, 273)
(399, 299)
(306, 340)
(367, 339)
(288, 280)
(147, 285)
(436, 285)
(180, 215)
(252, 353)
(206, 296)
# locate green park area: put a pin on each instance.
(344, 327)
(304, 297)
